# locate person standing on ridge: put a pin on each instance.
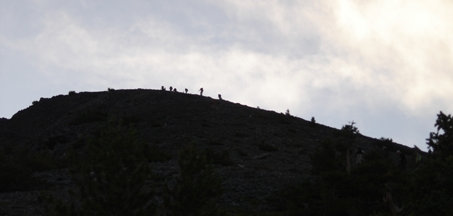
(201, 91)
(220, 97)
(186, 90)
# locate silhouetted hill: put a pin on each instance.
(257, 153)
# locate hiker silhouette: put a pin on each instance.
(186, 90)
(175, 90)
(162, 88)
(220, 97)
(201, 91)
(171, 88)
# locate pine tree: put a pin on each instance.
(441, 141)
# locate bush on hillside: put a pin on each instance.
(197, 186)
(111, 175)
(18, 166)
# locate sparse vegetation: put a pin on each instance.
(240, 134)
(219, 157)
(241, 157)
(156, 154)
(111, 175)
(267, 147)
(287, 112)
(441, 141)
(89, 116)
(197, 186)
(386, 140)
(349, 130)
(378, 186)
(17, 166)
(433, 179)
(336, 192)
(348, 134)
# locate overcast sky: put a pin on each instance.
(386, 64)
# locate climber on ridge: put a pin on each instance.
(201, 91)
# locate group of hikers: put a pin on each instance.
(186, 91)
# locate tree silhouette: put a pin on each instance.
(441, 141)
(433, 178)
(348, 134)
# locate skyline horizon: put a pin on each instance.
(306, 118)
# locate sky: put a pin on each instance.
(385, 64)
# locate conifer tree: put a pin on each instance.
(441, 141)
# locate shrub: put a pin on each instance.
(197, 186)
(287, 112)
(14, 176)
(71, 93)
(267, 147)
(17, 166)
(313, 121)
(89, 116)
(335, 192)
(155, 154)
(349, 130)
(240, 134)
(324, 158)
(386, 140)
(110, 175)
(219, 157)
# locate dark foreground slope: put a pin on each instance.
(256, 153)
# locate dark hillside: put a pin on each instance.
(256, 153)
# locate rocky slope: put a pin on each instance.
(259, 152)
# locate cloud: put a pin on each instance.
(405, 40)
(355, 47)
(397, 48)
(347, 59)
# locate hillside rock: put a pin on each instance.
(258, 152)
